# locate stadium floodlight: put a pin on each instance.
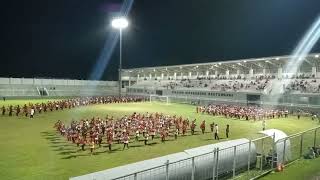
(120, 23)
(317, 56)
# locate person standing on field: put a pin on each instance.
(110, 139)
(203, 126)
(126, 139)
(31, 112)
(10, 110)
(227, 131)
(3, 110)
(176, 134)
(212, 126)
(18, 110)
(263, 124)
(25, 110)
(146, 138)
(91, 146)
(216, 132)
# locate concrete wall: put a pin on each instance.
(28, 87)
(292, 101)
(37, 81)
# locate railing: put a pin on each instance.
(260, 159)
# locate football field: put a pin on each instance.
(32, 149)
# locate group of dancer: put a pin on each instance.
(135, 127)
(242, 112)
(55, 105)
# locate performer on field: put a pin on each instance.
(25, 110)
(212, 126)
(17, 110)
(227, 131)
(216, 132)
(109, 139)
(203, 126)
(31, 112)
(10, 110)
(3, 110)
(91, 146)
(126, 139)
(146, 138)
(263, 124)
(193, 127)
(176, 134)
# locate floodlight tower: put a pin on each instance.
(120, 23)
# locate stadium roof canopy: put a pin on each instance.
(243, 65)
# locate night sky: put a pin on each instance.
(65, 38)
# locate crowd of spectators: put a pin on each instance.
(303, 83)
(303, 86)
(220, 85)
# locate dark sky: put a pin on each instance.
(64, 38)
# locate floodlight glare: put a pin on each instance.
(120, 23)
(317, 56)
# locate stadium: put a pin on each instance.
(216, 118)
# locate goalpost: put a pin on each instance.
(157, 98)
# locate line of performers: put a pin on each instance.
(242, 112)
(31, 109)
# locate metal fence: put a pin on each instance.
(260, 159)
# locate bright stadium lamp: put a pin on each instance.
(120, 23)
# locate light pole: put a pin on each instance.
(120, 23)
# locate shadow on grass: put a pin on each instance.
(102, 152)
(63, 148)
(152, 144)
(136, 145)
(61, 145)
(195, 134)
(75, 156)
(47, 133)
(57, 142)
(114, 150)
(88, 153)
(68, 152)
(52, 138)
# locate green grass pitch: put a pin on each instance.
(31, 148)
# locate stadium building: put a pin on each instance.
(245, 81)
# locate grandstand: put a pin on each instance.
(35, 87)
(247, 81)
